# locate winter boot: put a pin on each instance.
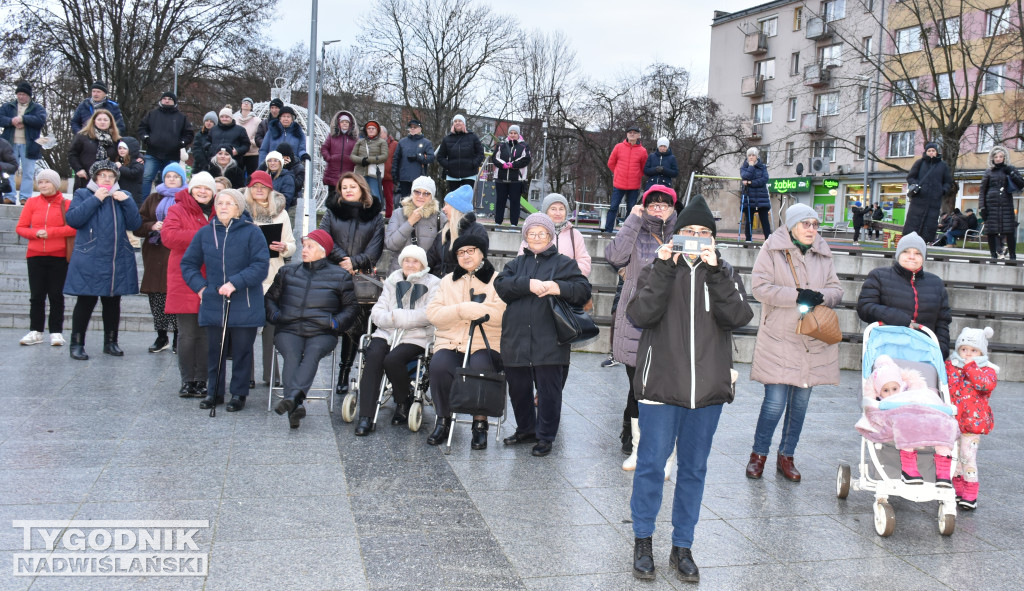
(681, 561)
(958, 487)
(77, 348)
(908, 463)
(401, 416)
(343, 383)
(441, 427)
(296, 415)
(670, 464)
(364, 427)
(110, 344)
(162, 343)
(629, 464)
(626, 436)
(942, 471)
(969, 497)
(643, 558)
(479, 434)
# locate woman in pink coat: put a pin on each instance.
(570, 241)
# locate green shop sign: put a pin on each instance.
(799, 184)
(830, 183)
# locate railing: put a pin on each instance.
(817, 29)
(812, 122)
(817, 75)
(752, 86)
(755, 43)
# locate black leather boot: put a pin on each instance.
(626, 436)
(364, 427)
(186, 390)
(236, 404)
(681, 560)
(479, 434)
(77, 348)
(643, 558)
(401, 416)
(441, 428)
(110, 344)
(210, 401)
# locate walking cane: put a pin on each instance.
(220, 357)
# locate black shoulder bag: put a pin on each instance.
(572, 324)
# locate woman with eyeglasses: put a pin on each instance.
(793, 273)
(416, 222)
(646, 228)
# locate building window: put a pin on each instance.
(792, 109)
(904, 92)
(865, 48)
(1020, 136)
(765, 69)
(798, 18)
(827, 104)
(908, 40)
(989, 134)
(992, 81)
(763, 113)
(869, 5)
(860, 147)
(762, 153)
(791, 152)
(901, 144)
(833, 10)
(794, 64)
(997, 21)
(949, 31)
(769, 26)
(825, 149)
(831, 55)
(944, 86)
(865, 99)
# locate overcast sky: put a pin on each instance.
(610, 36)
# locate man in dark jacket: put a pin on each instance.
(309, 304)
(934, 179)
(661, 167)
(412, 158)
(164, 131)
(460, 155)
(687, 305)
(97, 100)
(22, 120)
(754, 175)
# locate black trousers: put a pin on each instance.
(46, 281)
(632, 408)
(443, 364)
(510, 193)
(542, 419)
(240, 340)
(83, 312)
(452, 185)
(302, 357)
(764, 213)
(996, 241)
(381, 360)
(404, 189)
(249, 163)
(192, 349)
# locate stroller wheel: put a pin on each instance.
(947, 521)
(348, 408)
(415, 416)
(843, 481)
(885, 518)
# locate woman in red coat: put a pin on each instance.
(43, 224)
(191, 211)
(627, 165)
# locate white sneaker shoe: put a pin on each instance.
(856, 243)
(57, 340)
(32, 338)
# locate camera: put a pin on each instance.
(689, 244)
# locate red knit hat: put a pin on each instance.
(660, 189)
(261, 177)
(322, 238)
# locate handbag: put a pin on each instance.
(820, 322)
(478, 392)
(69, 241)
(1011, 187)
(572, 324)
(368, 288)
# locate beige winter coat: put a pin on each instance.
(278, 216)
(781, 356)
(451, 310)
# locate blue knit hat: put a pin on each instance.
(177, 169)
(461, 199)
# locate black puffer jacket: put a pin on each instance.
(130, 177)
(515, 152)
(164, 131)
(202, 151)
(995, 202)
(934, 178)
(528, 336)
(687, 316)
(311, 299)
(440, 257)
(358, 232)
(461, 154)
(858, 215)
(233, 135)
(896, 296)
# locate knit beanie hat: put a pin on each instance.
(203, 179)
(425, 183)
(470, 240)
(210, 116)
(236, 195)
(276, 103)
(975, 337)
(286, 150)
(323, 238)
(24, 87)
(539, 219)
(226, 111)
(103, 165)
(931, 145)
(696, 213)
(286, 111)
(753, 151)
(176, 168)
(48, 174)
(461, 118)
(169, 95)
(514, 128)
(461, 199)
(274, 155)
(552, 199)
(911, 240)
(413, 252)
(663, 141)
(659, 189)
(121, 144)
(799, 212)
(99, 85)
(248, 100)
(886, 371)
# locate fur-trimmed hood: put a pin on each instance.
(992, 152)
(353, 130)
(484, 273)
(344, 210)
(429, 210)
(277, 203)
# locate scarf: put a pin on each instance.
(103, 142)
(559, 228)
(166, 202)
(206, 208)
(803, 247)
(982, 361)
(261, 214)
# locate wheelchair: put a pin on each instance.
(419, 372)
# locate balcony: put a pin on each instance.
(817, 29)
(755, 43)
(752, 86)
(817, 75)
(754, 133)
(812, 123)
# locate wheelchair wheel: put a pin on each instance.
(348, 408)
(415, 416)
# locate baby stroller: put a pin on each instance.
(418, 371)
(879, 467)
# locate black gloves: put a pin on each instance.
(659, 169)
(365, 161)
(809, 298)
(305, 158)
(983, 212)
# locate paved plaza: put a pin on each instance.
(318, 508)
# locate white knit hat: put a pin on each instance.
(274, 155)
(413, 252)
(663, 141)
(425, 183)
(202, 179)
(975, 337)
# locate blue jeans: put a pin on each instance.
(691, 432)
(778, 398)
(154, 168)
(371, 181)
(28, 176)
(613, 212)
(952, 236)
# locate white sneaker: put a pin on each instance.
(856, 243)
(32, 338)
(57, 340)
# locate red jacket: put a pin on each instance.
(183, 220)
(43, 213)
(627, 165)
(392, 145)
(970, 388)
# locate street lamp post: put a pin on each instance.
(320, 87)
(544, 161)
(176, 60)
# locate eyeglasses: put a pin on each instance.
(537, 235)
(808, 224)
(658, 206)
(690, 232)
(465, 252)
(421, 193)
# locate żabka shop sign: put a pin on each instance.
(799, 184)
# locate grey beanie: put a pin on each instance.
(461, 118)
(552, 199)
(237, 196)
(911, 240)
(48, 174)
(799, 212)
(539, 219)
(663, 141)
(514, 128)
(211, 116)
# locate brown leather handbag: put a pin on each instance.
(820, 322)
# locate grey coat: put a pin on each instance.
(398, 234)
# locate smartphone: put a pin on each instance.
(689, 244)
